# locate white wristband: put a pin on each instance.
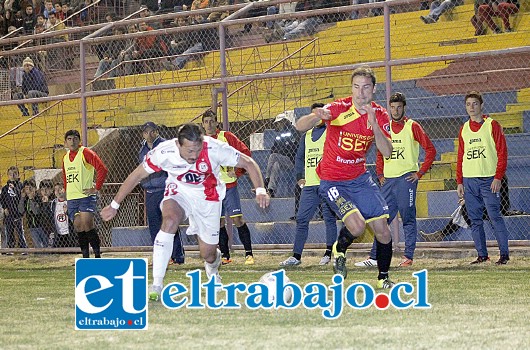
(260, 190)
(114, 205)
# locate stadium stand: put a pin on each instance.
(434, 90)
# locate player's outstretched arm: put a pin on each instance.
(128, 185)
(254, 173)
(307, 122)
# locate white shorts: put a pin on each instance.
(204, 216)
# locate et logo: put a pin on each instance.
(110, 294)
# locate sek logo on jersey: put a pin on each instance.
(70, 178)
(110, 294)
(397, 154)
(476, 154)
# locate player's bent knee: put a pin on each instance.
(238, 221)
(355, 228)
(170, 223)
(209, 252)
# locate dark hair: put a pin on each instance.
(112, 15)
(209, 114)
(46, 183)
(398, 97)
(364, 71)
(13, 167)
(190, 132)
(72, 133)
(474, 94)
(317, 105)
(29, 182)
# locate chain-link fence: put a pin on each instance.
(260, 66)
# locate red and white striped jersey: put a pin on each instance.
(199, 180)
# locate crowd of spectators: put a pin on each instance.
(15, 14)
(22, 17)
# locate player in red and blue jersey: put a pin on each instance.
(353, 124)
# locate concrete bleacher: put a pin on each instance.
(429, 101)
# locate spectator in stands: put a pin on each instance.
(181, 42)
(48, 8)
(303, 28)
(82, 186)
(9, 199)
(145, 13)
(54, 26)
(180, 5)
(165, 6)
(288, 7)
(192, 43)
(437, 9)
(12, 63)
(232, 202)
(479, 175)
(67, 12)
(154, 186)
(298, 28)
(40, 57)
(16, 19)
(3, 21)
(283, 153)
(148, 47)
(40, 20)
(11, 8)
(84, 15)
(59, 11)
(111, 17)
(200, 4)
(149, 5)
(454, 224)
(29, 19)
(399, 174)
(308, 156)
(33, 85)
(485, 10)
(122, 64)
(217, 16)
(369, 13)
(31, 206)
(112, 58)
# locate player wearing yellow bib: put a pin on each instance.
(309, 154)
(80, 165)
(481, 165)
(399, 174)
(232, 201)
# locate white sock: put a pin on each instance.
(213, 268)
(162, 249)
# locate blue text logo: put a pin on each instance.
(331, 300)
(110, 294)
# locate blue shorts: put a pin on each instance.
(231, 203)
(81, 205)
(360, 194)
